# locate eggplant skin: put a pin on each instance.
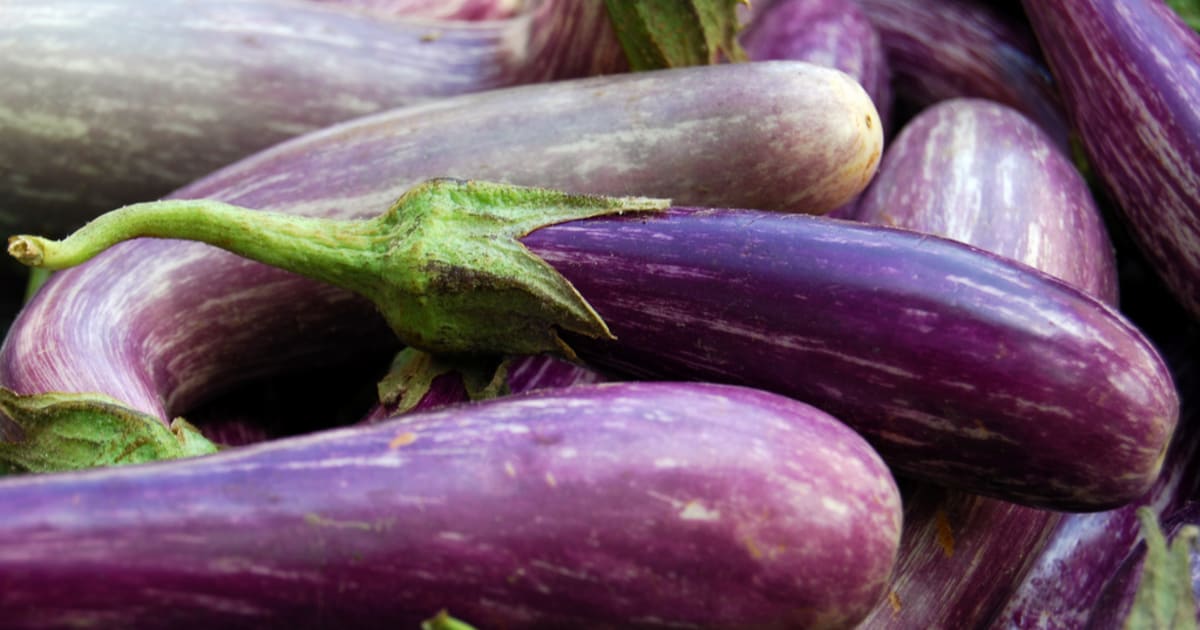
(982, 173)
(1127, 72)
(614, 505)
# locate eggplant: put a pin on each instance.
(164, 337)
(108, 102)
(434, 9)
(826, 32)
(643, 505)
(942, 49)
(982, 173)
(849, 317)
(1127, 72)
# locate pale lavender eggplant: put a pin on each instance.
(1128, 72)
(163, 325)
(941, 49)
(107, 102)
(963, 368)
(982, 173)
(436, 9)
(832, 33)
(1117, 600)
(646, 505)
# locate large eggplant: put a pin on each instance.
(1127, 71)
(623, 505)
(107, 102)
(941, 49)
(162, 337)
(980, 172)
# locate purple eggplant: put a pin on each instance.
(1127, 71)
(162, 338)
(107, 102)
(982, 173)
(641, 505)
(830, 33)
(942, 49)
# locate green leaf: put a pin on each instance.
(1164, 598)
(77, 431)
(675, 33)
(1188, 10)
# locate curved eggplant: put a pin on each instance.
(942, 49)
(980, 172)
(647, 505)
(107, 102)
(163, 336)
(1127, 71)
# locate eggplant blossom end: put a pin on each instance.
(77, 431)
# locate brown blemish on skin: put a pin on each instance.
(945, 536)
(404, 439)
(894, 600)
(870, 121)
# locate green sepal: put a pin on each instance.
(1164, 598)
(77, 431)
(412, 374)
(443, 621)
(675, 33)
(456, 280)
(1188, 11)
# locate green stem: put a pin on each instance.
(325, 249)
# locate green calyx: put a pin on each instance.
(443, 265)
(659, 34)
(1164, 596)
(77, 431)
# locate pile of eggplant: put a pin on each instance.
(455, 314)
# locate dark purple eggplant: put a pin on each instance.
(623, 505)
(163, 337)
(830, 33)
(1127, 71)
(942, 49)
(107, 102)
(982, 173)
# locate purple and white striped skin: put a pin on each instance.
(1128, 74)
(982, 173)
(644, 505)
(1117, 600)
(963, 368)
(435, 9)
(941, 49)
(832, 33)
(108, 102)
(161, 325)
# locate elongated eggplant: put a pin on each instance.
(110, 102)
(846, 316)
(1127, 71)
(624, 505)
(981, 173)
(161, 337)
(941, 49)
(825, 32)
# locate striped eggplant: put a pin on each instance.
(850, 317)
(198, 321)
(980, 172)
(107, 102)
(941, 49)
(646, 505)
(1127, 71)
(825, 32)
